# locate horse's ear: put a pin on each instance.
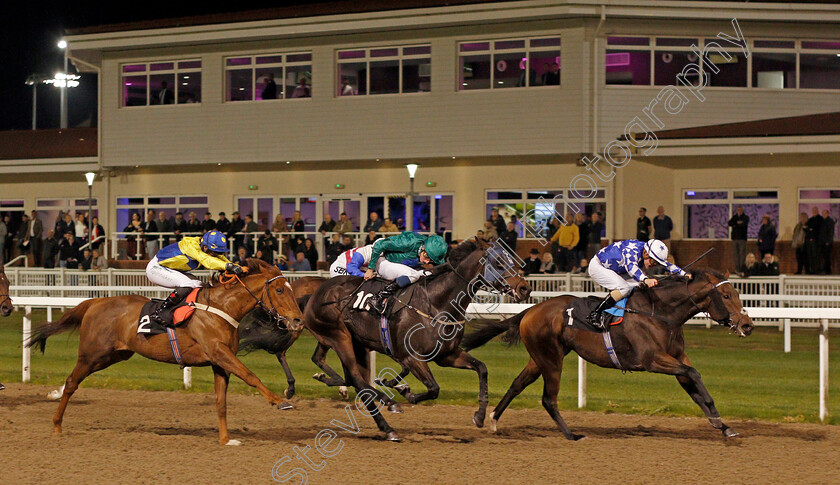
(481, 243)
(726, 275)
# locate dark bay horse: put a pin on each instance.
(649, 339)
(108, 334)
(6, 306)
(425, 327)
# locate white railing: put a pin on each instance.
(16, 259)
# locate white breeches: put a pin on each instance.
(609, 279)
(170, 278)
(391, 271)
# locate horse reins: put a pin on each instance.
(272, 312)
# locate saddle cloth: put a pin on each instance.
(576, 314)
(175, 315)
(360, 300)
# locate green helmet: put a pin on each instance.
(436, 248)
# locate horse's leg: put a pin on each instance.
(221, 378)
(420, 370)
(397, 381)
(690, 380)
(332, 378)
(363, 361)
(224, 357)
(290, 379)
(525, 378)
(552, 369)
(460, 359)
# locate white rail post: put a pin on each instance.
(187, 377)
(581, 382)
(372, 367)
(823, 369)
(787, 335)
(49, 314)
(27, 352)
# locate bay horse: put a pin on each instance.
(108, 334)
(649, 339)
(423, 325)
(6, 306)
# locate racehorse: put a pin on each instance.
(649, 339)
(422, 326)
(108, 334)
(6, 305)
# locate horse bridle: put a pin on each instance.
(717, 300)
(278, 319)
(510, 291)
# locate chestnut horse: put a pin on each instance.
(108, 334)
(6, 305)
(649, 339)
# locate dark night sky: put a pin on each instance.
(29, 34)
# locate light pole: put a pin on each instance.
(34, 80)
(409, 203)
(62, 44)
(90, 176)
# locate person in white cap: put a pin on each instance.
(617, 268)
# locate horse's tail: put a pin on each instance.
(486, 330)
(69, 321)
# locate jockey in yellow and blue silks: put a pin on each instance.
(170, 267)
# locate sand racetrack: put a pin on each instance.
(171, 437)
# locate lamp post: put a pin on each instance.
(90, 176)
(34, 80)
(409, 204)
(62, 44)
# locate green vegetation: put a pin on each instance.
(749, 378)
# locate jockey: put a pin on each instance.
(398, 259)
(352, 262)
(170, 267)
(616, 267)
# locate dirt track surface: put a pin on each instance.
(171, 437)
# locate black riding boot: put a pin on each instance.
(379, 302)
(595, 317)
(173, 299)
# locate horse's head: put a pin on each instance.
(712, 293)
(6, 306)
(493, 265)
(275, 295)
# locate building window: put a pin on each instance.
(49, 209)
(509, 63)
(384, 70)
(141, 205)
(774, 64)
(822, 199)
(628, 61)
(537, 207)
(13, 209)
(819, 65)
(161, 83)
(707, 212)
(267, 77)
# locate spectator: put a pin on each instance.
(163, 225)
(739, 222)
(798, 243)
(328, 225)
(812, 238)
(133, 242)
(533, 263)
(344, 224)
(4, 232)
(60, 226)
(193, 224)
(567, 238)
(241, 257)
(152, 243)
(80, 227)
(490, 233)
(662, 227)
(179, 226)
(768, 266)
(279, 225)
(510, 236)
(9, 237)
(302, 90)
(99, 262)
(268, 245)
(751, 267)
(479, 234)
(334, 248)
(165, 95)
(98, 231)
(346, 88)
(548, 266)
(643, 225)
(400, 224)
(583, 266)
(766, 236)
(301, 263)
(595, 230)
(250, 228)
(208, 224)
(36, 228)
(388, 226)
(826, 240)
(223, 224)
(583, 241)
(373, 223)
(50, 250)
(282, 263)
(371, 237)
(551, 230)
(269, 90)
(237, 225)
(259, 255)
(310, 253)
(347, 242)
(68, 252)
(497, 220)
(298, 226)
(86, 260)
(23, 238)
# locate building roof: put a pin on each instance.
(37, 144)
(805, 125)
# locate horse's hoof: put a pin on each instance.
(233, 443)
(342, 391)
(57, 430)
(576, 437)
(392, 436)
(2, 387)
(729, 433)
(285, 406)
(493, 427)
(289, 393)
(402, 388)
(378, 382)
(54, 395)
(395, 408)
(478, 419)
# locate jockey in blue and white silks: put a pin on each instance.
(618, 268)
(352, 262)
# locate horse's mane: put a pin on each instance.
(462, 251)
(256, 265)
(698, 273)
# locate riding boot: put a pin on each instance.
(379, 302)
(173, 299)
(595, 317)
